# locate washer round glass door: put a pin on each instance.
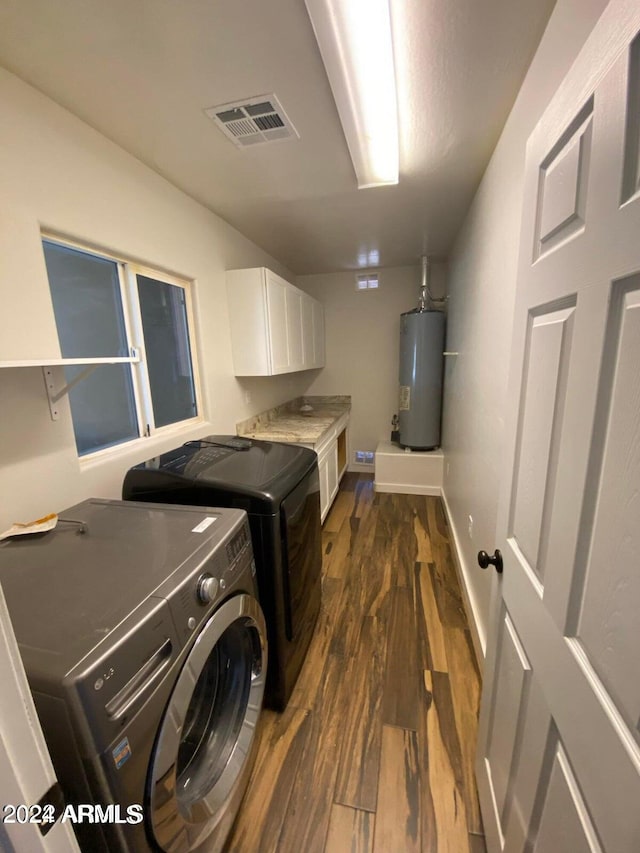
(204, 748)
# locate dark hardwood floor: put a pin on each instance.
(374, 752)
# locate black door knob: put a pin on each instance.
(484, 560)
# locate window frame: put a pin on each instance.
(127, 271)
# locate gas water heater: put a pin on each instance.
(422, 338)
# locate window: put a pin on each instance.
(367, 281)
(108, 308)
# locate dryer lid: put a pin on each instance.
(225, 463)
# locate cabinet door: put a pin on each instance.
(324, 486)
(308, 347)
(276, 289)
(332, 471)
(249, 322)
(293, 298)
(318, 334)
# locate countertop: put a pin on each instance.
(288, 423)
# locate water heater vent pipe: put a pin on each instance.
(424, 303)
(426, 300)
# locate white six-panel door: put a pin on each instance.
(26, 771)
(559, 749)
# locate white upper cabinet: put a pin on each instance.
(275, 327)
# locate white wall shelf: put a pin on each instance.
(56, 389)
(69, 362)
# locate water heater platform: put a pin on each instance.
(415, 472)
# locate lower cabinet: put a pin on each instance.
(332, 463)
(328, 470)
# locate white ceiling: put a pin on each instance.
(142, 72)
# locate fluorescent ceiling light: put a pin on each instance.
(354, 37)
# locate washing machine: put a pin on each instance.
(145, 650)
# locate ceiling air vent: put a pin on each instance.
(253, 121)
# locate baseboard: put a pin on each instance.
(404, 489)
(478, 633)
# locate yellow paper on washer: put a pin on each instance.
(40, 525)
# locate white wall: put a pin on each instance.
(58, 173)
(481, 281)
(362, 344)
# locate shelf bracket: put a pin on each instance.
(54, 393)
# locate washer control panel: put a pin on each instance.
(237, 544)
(217, 576)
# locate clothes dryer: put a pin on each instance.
(279, 487)
(145, 650)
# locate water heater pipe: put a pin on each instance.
(425, 303)
(425, 295)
